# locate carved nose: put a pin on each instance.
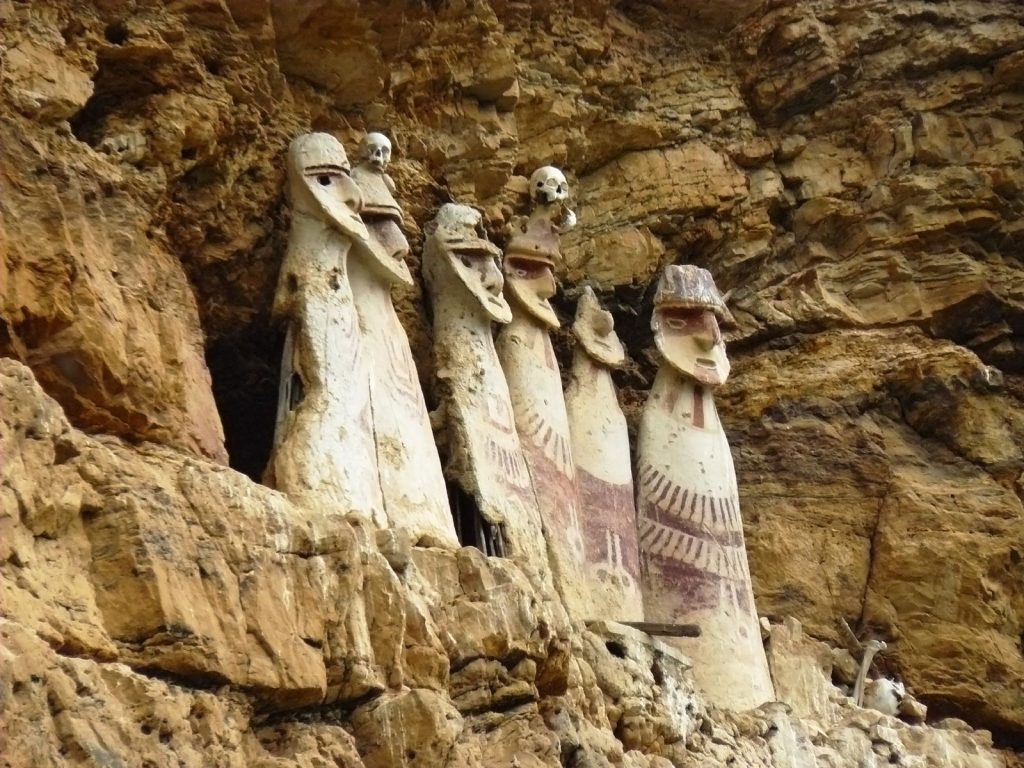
(705, 340)
(709, 334)
(352, 199)
(493, 280)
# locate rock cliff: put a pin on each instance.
(851, 172)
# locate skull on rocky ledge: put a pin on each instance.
(376, 149)
(548, 185)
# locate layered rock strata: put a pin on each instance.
(848, 171)
(160, 608)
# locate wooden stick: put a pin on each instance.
(668, 630)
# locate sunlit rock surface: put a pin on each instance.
(850, 172)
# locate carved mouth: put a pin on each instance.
(529, 268)
(682, 309)
(706, 362)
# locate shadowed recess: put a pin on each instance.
(244, 367)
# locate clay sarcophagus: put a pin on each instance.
(691, 533)
(324, 455)
(495, 501)
(604, 477)
(412, 483)
(535, 384)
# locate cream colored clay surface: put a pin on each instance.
(535, 384)
(691, 539)
(484, 455)
(377, 187)
(412, 483)
(324, 453)
(691, 532)
(604, 478)
(851, 169)
(383, 216)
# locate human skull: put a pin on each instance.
(548, 185)
(376, 149)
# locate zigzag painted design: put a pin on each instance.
(658, 540)
(404, 381)
(711, 513)
(555, 446)
(510, 463)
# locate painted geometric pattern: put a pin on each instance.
(609, 522)
(658, 540)
(698, 530)
(553, 444)
(510, 464)
(718, 516)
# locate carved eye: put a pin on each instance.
(465, 261)
(540, 185)
(324, 179)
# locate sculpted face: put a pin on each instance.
(531, 281)
(595, 330)
(691, 341)
(479, 272)
(460, 248)
(319, 184)
(386, 251)
(685, 324)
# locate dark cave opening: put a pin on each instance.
(471, 527)
(1004, 735)
(116, 33)
(245, 368)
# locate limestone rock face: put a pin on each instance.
(920, 543)
(161, 607)
(80, 302)
(850, 172)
